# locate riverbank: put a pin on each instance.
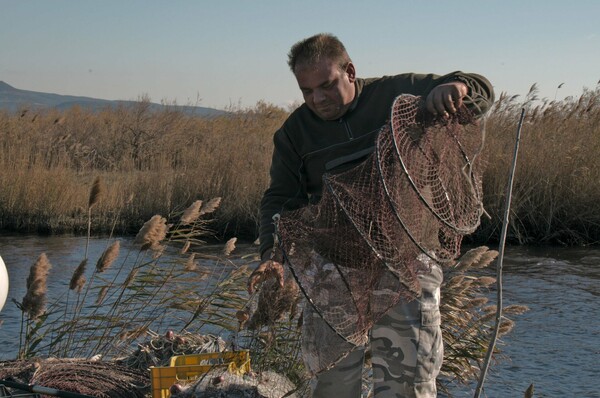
(160, 162)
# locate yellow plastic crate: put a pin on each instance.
(189, 367)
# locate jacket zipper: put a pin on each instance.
(347, 128)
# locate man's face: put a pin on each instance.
(327, 89)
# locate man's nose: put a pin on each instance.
(318, 96)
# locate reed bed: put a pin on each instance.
(555, 194)
(160, 162)
(151, 163)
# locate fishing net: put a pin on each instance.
(378, 225)
(218, 383)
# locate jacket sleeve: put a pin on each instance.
(480, 95)
(286, 189)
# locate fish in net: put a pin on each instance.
(358, 252)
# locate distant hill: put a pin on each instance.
(13, 99)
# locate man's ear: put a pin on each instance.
(351, 72)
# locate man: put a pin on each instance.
(333, 130)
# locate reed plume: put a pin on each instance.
(229, 246)
(211, 206)
(101, 295)
(130, 277)
(516, 309)
(78, 278)
(108, 257)
(529, 391)
(486, 259)
(190, 264)
(191, 213)
(485, 280)
(506, 326)
(34, 302)
(185, 247)
(157, 250)
(96, 191)
(152, 232)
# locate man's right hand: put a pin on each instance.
(265, 271)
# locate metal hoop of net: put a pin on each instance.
(378, 225)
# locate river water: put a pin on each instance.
(555, 345)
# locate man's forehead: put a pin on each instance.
(321, 63)
(316, 73)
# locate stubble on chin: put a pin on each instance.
(329, 113)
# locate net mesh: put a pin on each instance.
(359, 250)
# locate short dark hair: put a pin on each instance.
(317, 47)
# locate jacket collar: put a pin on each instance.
(358, 85)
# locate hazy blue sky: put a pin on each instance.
(224, 52)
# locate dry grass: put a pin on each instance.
(555, 195)
(167, 160)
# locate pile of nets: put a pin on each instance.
(93, 378)
(378, 225)
(222, 383)
(158, 349)
(126, 377)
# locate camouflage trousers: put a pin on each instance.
(406, 350)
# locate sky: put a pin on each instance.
(224, 53)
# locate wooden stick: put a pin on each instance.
(496, 330)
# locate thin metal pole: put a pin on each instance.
(490, 350)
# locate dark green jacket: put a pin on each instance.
(306, 146)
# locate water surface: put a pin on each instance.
(555, 345)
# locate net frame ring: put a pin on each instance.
(418, 105)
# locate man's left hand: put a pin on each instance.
(446, 98)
